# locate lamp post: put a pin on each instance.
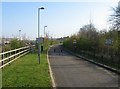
(44, 30)
(42, 8)
(19, 34)
(43, 46)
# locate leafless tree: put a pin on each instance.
(115, 18)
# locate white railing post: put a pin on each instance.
(9, 58)
(14, 54)
(2, 58)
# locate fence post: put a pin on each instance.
(9, 56)
(14, 53)
(18, 52)
(2, 58)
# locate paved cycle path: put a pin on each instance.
(71, 71)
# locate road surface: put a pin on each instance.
(71, 71)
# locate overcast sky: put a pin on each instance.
(61, 18)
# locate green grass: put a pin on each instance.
(26, 72)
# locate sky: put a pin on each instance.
(62, 18)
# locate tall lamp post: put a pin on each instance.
(44, 30)
(44, 38)
(43, 46)
(19, 34)
(39, 50)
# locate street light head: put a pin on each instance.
(45, 26)
(42, 8)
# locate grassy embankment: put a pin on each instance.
(26, 72)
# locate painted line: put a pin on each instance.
(50, 71)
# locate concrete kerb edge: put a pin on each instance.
(96, 63)
(99, 64)
(50, 71)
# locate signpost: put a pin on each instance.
(108, 42)
(39, 41)
(74, 42)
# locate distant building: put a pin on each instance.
(4, 41)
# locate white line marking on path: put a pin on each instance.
(50, 70)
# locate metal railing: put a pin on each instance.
(10, 56)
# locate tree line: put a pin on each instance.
(15, 43)
(102, 46)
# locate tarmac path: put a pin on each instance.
(71, 71)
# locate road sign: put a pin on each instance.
(39, 40)
(74, 42)
(108, 42)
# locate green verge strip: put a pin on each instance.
(26, 72)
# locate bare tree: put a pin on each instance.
(115, 18)
(88, 31)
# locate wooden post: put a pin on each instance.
(9, 56)
(14, 53)
(2, 58)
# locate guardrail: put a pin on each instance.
(10, 56)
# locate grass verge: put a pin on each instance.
(26, 72)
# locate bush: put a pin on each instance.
(15, 43)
